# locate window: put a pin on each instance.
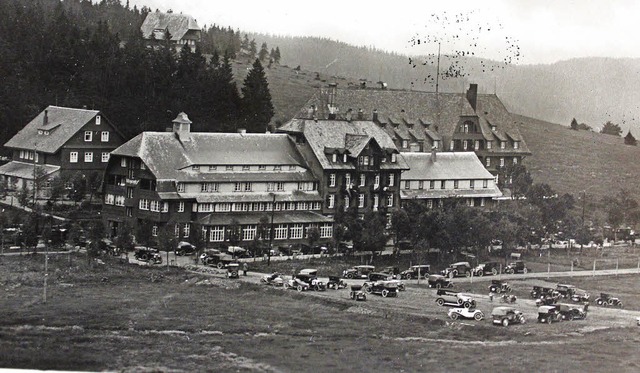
(347, 180)
(186, 230)
(104, 136)
(73, 157)
(331, 200)
(344, 158)
(391, 179)
(88, 136)
(443, 184)
(476, 145)
(280, 232)
(98, 120)
(501, 161)
(503, 144)
(394, 157)
(347, 202)
(154, 231)
(361, 200)
(180, 187)
(109, 199)
(436, 144)
(515, 160)
(262, 168)
(376, 181)
(363, 180)
(296, 231)
(407, 184)
(376, 200)
(237, 187)
(326, 230)
(405, 144)
(430, 203)
(249, 232)
(271, 186)
(390, 200)
(280, 186)
(123, 162)
(88, 157)
(105, 157)
(277, 168)
(129, 211)
(248, 187)
(366, 160)
(246, 168)
(464, 145)
(181, 206)
(472, 184)
(195, 168)
(213, 168)
(455, 184)
(472, 202)
(130, 173)
(420, 184)
(432, 184)
(143, 204)
(489, 144)
(154, 206)
(223, 207)
(451, 145)
(334, 158)
(129, 192)
(485, 183)
(216, 234)
(488, 163)
(209, 187)
(482, 202)
(119, 201)
(516, 144)
(332, 180)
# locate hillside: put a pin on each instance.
(576, 161)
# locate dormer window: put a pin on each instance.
(436, 144)
(394, 158)
(516, 144)
(493, 128)
(489, 144)
(405, 144)
(40, 132)
(46, 133)
(98, 118)
(503, 144)
(334, 158)
(195, 168)
(344, 158)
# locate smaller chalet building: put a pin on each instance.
(437, 176)
(185, 179)
(183, 29)
(60, 140)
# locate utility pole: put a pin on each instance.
(35, 184)
(273, 210)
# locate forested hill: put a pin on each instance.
(592, 90)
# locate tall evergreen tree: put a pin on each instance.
(264, 52)
(257, 108)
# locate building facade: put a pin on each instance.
(182, 29)
(215, 183)
(438, 176)
(60, 140)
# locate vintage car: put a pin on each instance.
(508, 298)
(548, 300)
(335, 282)
(488, 268)
(506, 315)
(357, 293)
(580, 296)
(565, 291)
(381, 287)
(273, 279)
(422, 270)
(439, 281)
(148, 254)
(392, 271)
(542, 292)
(378, 276)
(516, 267)
(467, 313)
(499, 286)
(361, 271)
(607, 300)
(296, 283)
(310, 276)
(452, 298)
(216, 258)
(572, 311)
(185, 248)
(549, 314)
(233, 270)
(457, 269)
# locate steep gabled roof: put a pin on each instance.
(170, 157)
(177, 24)
(62, 123)
(448, 166)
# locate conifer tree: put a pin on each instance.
(256, 100)
(264, 52)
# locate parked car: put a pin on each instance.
(216, 258)
(335, 282)
(565, 291)
(572, 311)
(416, 271)
(467, 313)
(488, 268)
(310, 276)
(384, 288)
(607, 300)
(499, 286)
(233, 270)
(506, 315)
(548, 300)
(549, 314)
(439, 281)
(452, 298)
(377, 276)
(457, 269)
(357, 293)
(580, 296)
(541, 292)
(361, 271)
(516, 267)
(296, 283)
(392, 271)
(508, 298)
(185, 248)
(148, 254)
(273, 279)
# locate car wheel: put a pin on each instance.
(285, 285)
(385, 293)
(401, 287)
(454, 273)
(466, 305)
(438, 285)
(478, 316)
(440, 302)
(467, 274)
(300, 288)
(480, 273)
(494, 272)
(220, 265)
(505, 322)
(454, 315)
(599, 302)
(367, 289)
(523, 320)
(450, 285)
(620, 304)
(549, 320)
(525, 271)
(349, 275)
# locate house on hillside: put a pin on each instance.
(356, 161)
(420, 121)
(438, 176)
(60, 140)
(206, 183)
(181, 29)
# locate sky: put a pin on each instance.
(526, 31)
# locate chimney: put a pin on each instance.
(375, 115)
(360, 114)
(182, 125)
(45, 119)
(333, 88)
(349, 115)
(242, 131)
(433, 154)
(472, 95)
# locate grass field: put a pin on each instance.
(118, 316)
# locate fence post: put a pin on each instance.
(617, 265)
(572, 268)
(594, 269)
(500, 273)
(548, 269)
